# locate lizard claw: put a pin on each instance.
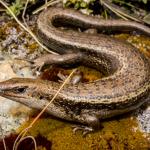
(37, 67)
(85, 130)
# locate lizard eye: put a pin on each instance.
(20, 89)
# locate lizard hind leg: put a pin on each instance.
(92, 121)
(92, 124)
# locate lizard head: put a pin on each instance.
(27, 91)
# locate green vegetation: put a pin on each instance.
(16, 7)
(83, 5)
(144, 1)
(86, 6)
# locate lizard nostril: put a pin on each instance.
(41, 97)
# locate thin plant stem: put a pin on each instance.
(3, 139)
(50, 3)
(27, 137)
(113, 10)
(19, 137)
(23, 14)
(45, 4)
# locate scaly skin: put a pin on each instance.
(126, 87)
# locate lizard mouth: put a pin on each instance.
(11, 95)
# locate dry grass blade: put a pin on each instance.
(23, 14)
(50, 3)
(118, 11)
(113, 10)
(23, 133)
(19, 137)
(26, 29)
(45, 4)
(27, 137)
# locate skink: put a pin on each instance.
(125, 88)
